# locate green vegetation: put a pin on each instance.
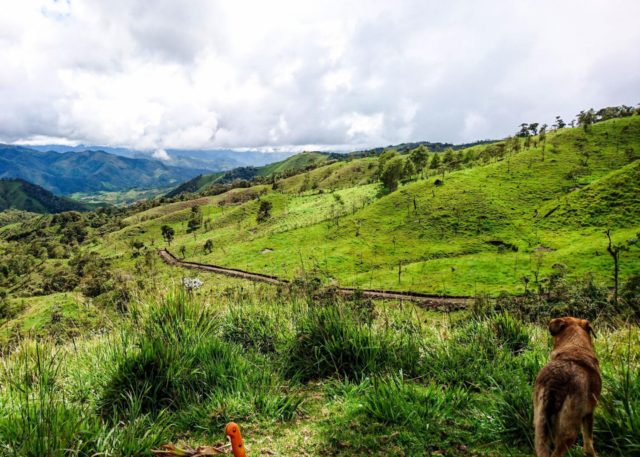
(313, 376)
(20, 195)
(106, 350)
(217, 183)
(124, 197)
(481, 221)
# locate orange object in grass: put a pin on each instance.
(237, 445)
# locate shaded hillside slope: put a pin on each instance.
(18, 194)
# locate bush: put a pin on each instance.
(510, 332)
(178, 360)
(264, 211)
(476, 353)
(256, 330)
(394, 401)
(506, 415)
(331, 341)
(630, 297)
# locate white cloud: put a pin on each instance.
(336, 74)
(161, 154)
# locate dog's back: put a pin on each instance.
(566, 390)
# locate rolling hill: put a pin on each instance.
(481, 226)
(213, 160)
(21, 195)
(295, 163)
(87, 171)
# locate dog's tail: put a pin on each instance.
(542, 418)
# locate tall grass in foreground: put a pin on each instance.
(333, 341)
(36, 418)
(180, 359)
(380, 382)
(617, 423)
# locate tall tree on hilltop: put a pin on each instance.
(559, 124)
(524, 130)
(392, 172)
(543, 139)
(384, 157)
(419, 156)
(586, 118)
(435, 161)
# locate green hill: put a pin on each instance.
(18, 194)
(480, 228)
(290, 165)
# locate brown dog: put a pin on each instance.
(567, 390)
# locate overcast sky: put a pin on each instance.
(306, 74)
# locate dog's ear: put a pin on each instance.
(556, 326)
(587, 326)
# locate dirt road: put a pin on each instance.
(425, 300)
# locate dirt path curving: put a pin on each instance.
(446, 302)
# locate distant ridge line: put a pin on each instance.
(449, 302)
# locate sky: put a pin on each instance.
(294, 75)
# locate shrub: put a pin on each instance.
(630, 296)
(178, 360)
(330, 341)
(476, 353)
(264, 211)
(252, 330)
(392, 400)
(510, 332)
(506, 414)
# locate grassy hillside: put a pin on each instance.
(481, 228)
(296, 162)
(290, 165)
(20, 195)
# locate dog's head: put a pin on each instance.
(563, 328)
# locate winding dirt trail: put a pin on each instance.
(447, 302)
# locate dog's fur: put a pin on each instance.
(567, 390)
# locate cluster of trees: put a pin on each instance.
(394, 168)
(587, 117)
(43, 255)
(584, 119)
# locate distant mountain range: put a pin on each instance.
(88, 171)
(22, 195)
(209, 160)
